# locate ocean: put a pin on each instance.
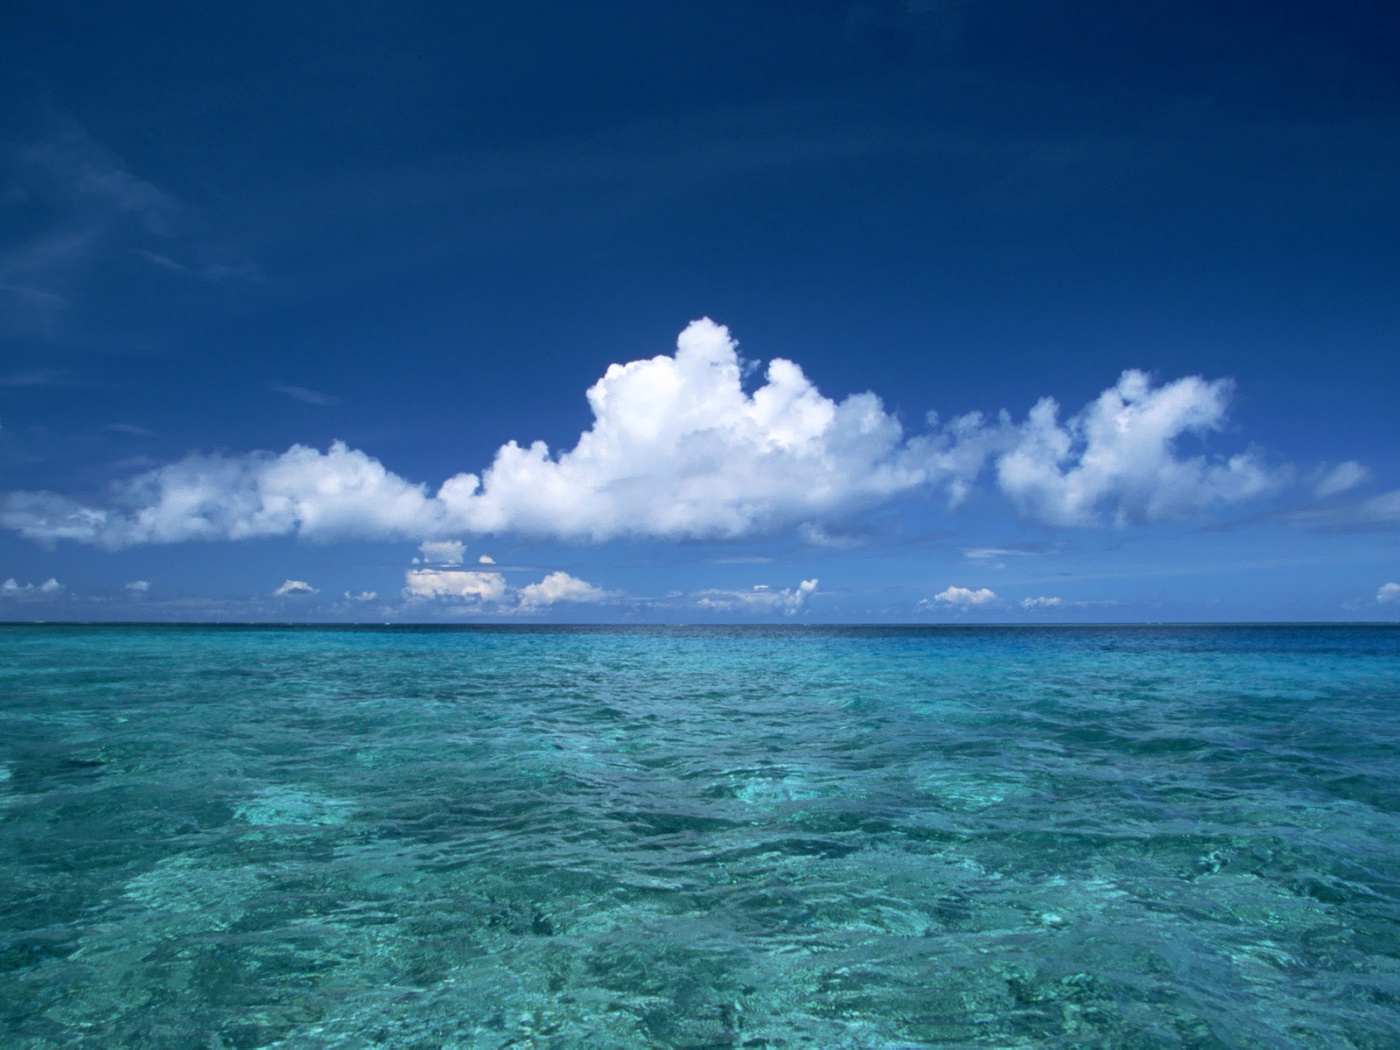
(819, 837)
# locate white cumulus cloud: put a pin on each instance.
(361, 596)
(294, 587)
(454, 583)
(1040, 603)
(442, 552)
(965, 596)
(1389, 592)
(1118, 457)
(12, 588)
(137, 588)
(558, 587)
(338, 494)
(760, 598)
(679, 450)
(471, 588)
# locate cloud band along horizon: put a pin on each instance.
(678, 450)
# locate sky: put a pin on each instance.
(928, 311)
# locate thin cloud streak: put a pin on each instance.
(304, 394)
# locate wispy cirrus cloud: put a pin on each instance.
(304, 394)
(81, 207)
(679, 450)
(210, 271)
(1375, 513)
(82, 203)
(38, 377)
(1341, 478)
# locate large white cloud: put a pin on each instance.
(678, 450)
(338, 494)
(1118, 456)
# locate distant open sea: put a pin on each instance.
(700, 837)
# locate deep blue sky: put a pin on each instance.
(428, 232)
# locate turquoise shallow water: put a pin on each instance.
(1076, 837)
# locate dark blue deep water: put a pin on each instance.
(700, 837)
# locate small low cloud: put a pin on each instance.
(1389, 592)
(964, 597)
(1041, 603)
(304, 395)
(427, 584)
(138, 588)
(489, 592)
(486, 559)
(761, 598)
(290, 587)
(442, 552)
(12, 588)
(558, 587)
(362, 596)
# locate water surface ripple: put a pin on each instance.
(700, 837)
